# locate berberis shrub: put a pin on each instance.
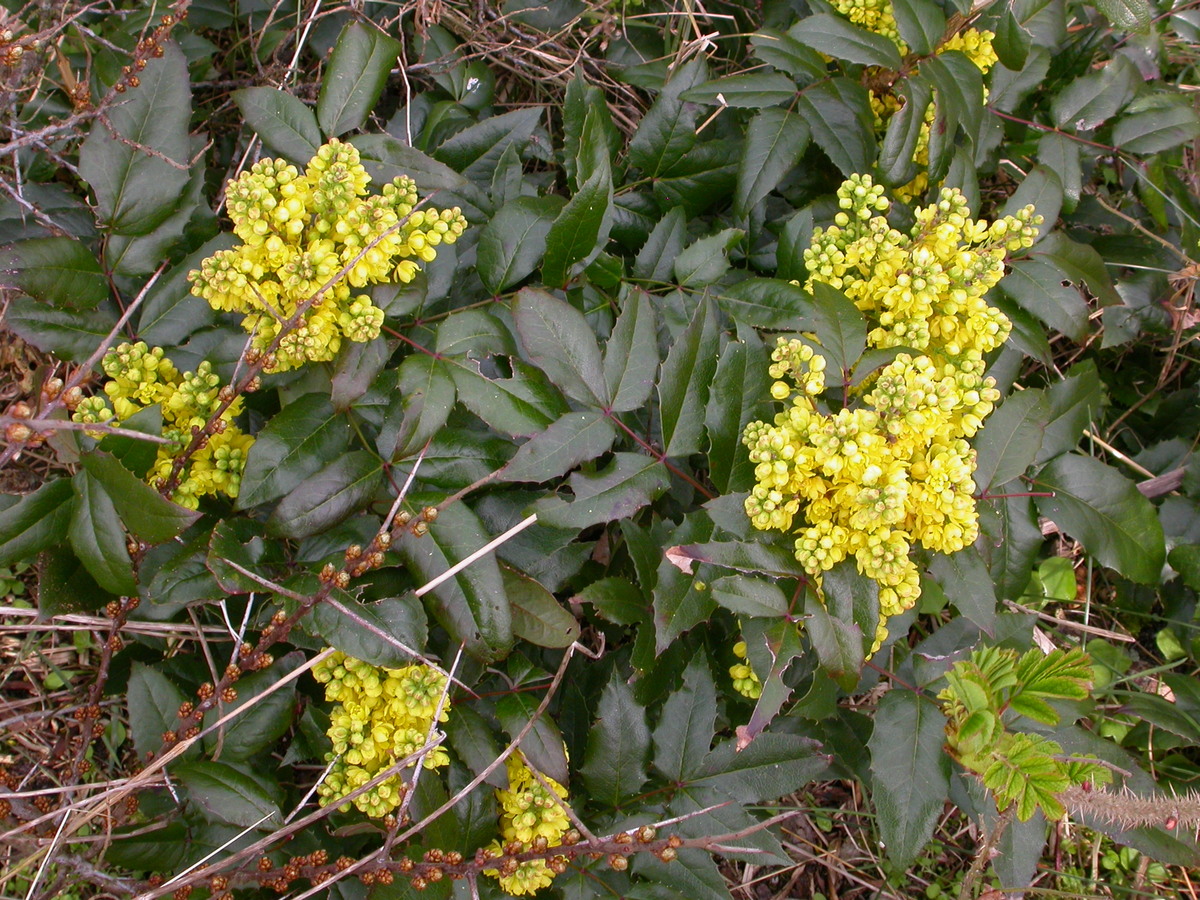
(491, 450)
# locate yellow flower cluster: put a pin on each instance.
(382, 716)
(140, 377)
(533, 815)
(308, 239)
(896, 470)
(873, 15)
(745, 682)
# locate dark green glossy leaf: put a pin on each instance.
(542, 746)
(921, 24)
(685, 382)
(684, 731)
(145, 513)
(1092, 99)
(1010, 540)
(575, 438)
(1082, 263)
(521, 405)
(227, 794)
(284, 123)
(233, 551)
(767, 303)
(1103, 510)
(59, 271)
(354, 371)
(839, 645)
(772, 766)
(631, 354)
(154, 702)
(1010, 439)
(967, 583)
(389, 632)
(327, 497)
(787, 54)
(427, 394)
(355, 77)
(1073, 402)
(176, 573)
(839, 113)
(170, 312)
(473, 741)
(745, 596)
(625, 485)
(1060, 155)
(655, 262)
(702, 179)
(292, 447)
(589, 135)
(897, 154)
(754, 90)
(384, 157)
(1185, 559)
(536, 616)
(65, 585)
(1042, 189)
(738, 391)
(581, 229)
(97, 537)
(1156, 123)
(512, 244)
(752, 557)
(63, 332)
(779, 640)
(35, 522)
(1044, 290)
(262, 718)
(559, 341)
(474, 151)
(680, 600)
(706, 259)
(840, 327)
(668, 130)
(614, 765)
(1128, 15)
(958, 87)
(835, 36)
(775, 141)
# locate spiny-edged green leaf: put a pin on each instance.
(739, 388)
(174, 574)
(745, 596)
(706, 812)
(575, 438)
(968, 584)
(685, 381)
(145, 513)
(476, 333)
(910, 773)
(234, 550)
(473, 741)
(693, 875)
(631, 354)
(1104, 511)
(779, 640)
(1042, 189)
(668, 130)
(767, 303)
(262, 718)
(775, 141)
(684, 732)
(1010, 540)
(655, 262)
(852, 597)
(536, 616)
(756, 558)
(63, 332)
(1092, 99)
(471, 606)
(921, 24)
(753, 90)
(542, 746)
(519, 405)
(679, 600)
(1156, 123)
(168, 844)
(617, 599)
(227, 793)
(1012, 41)
(840, 327)
(97, 537)
(474, 151)
(354, 371)
(1127, 15)
(355, 77)
(787, 54)
(389, 632)
(1060, 155)
(614, 765)
(559, 341)
(839, 645)
(284, 123)
(512, 244)
(65, 585)
(835, 36)
(35, 522)
(706, 259)
(427, 395)
(958, 87)
(1010, 438)
(60, 271)
(625, 485)
(580, 231)
(589, 135)
(135, 190)
(839, 113)
(1073, 402)
(897, 154)
(291, 447)
(1081, 262)
(384, 157)
(170, 312)
(772, 766)
(338, 490)
(154, 702)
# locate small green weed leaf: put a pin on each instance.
(474, 151)
(536, 616)
(559, 341)
(543, 745)
(625, 485)
(1104, 511)
(1127, 15)
(781, 639)
(59, 271)
(145, 513)
(580, 231)
(787, 54)
(97, 537)
(427, 394)
(1059, 675)
(921, 24)
(685, 382)
(331, 494)
(1156, 123)
(614, 765)
(35, 522)
(513, 243)
(154, 702)
(754, 90)
(631, 354)
(767, 303)
(668, 130)
(840, 327)
(839, 113)
(521, 405)
(1073, 402)
(1010, 439)
(706, 259)
(897, 155)
(291, 448)
(63, 332)
(775, 141)
(772, 766)
(1025, 772)
(286, 125)
(968, 584)
(910, 773)
(746, 596)
(355, 77)
(684, 732)
(835, 36)
(389, 632)
(227, 794)
(136, 191)
(1092, 99)
(170, 312)
(472, 606)
(575, 438)
(655, 262)
(262, 718)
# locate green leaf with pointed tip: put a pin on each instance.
(233, 551)
(262, 718)
(745, 596)
(753, 90)
(521, 405)
(154, 702)
(839, 113)
(968, 585)
(767, 303)
(655, 262)
(513, 243)
(1081, 262)
(1073, 402)
(63, 332)
(170, 312)
(775, 141)
(631, 354)
(1155, 123)
(1042, 189)
(427, 396)
(668, 130)
(330, 495)
(840, 327)
(706, 259)
(389, 632)
(779, 640)
(839, 645)
(684, 732)
(1059, 154)
(1128, 15)
(685, 382)
(910, 772)
(1010, 438)
(559, 341)
(285, 124)
(580, 231)
(625, 485)
(145, 513)
(958, 86)
(536, 616)
(475, 150)
(97, 537)
(739, 389)
(835, 36)
(772, 766)
(787, 54)
(227, 794)
(1044, 290)
(921, 24)
(1104, 511)
(575, 438)
(614, 765)
(542, 746)
(357, 72)
(753, 557)
(897, 154)
(1010, 541)
(1092, 99)
(35, 522)
(292, 447)
(59, 271)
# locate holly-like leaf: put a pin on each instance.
(513, 243)
(388, 632)
(558, 340)
(631, 354)
(775, 141)
(835, 36)
(668, 130)
(286, 126)
(59, 271)
(262, 718)
(291, 448)
(580, 231)
(780, 640)
(684, 732)
(1010, 439)
(839, 113)
(897, 155)
(536, 616)
(625, 485)
(772, 766)
(520, 405)
(1092, 99)
(746, 596)
(753, 90)
(336, 491)
(614, 765)
(968, 584)
(921, 24)
(474, 151)
(575, 438)
(355, 77)
(685, 382)
(655, 262)
(1073, 402)
(36, 521)
(427, 394)
(227, 793)
(154, 702)
(97, 537)
(840, 327)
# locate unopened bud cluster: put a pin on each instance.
(745, 681)
(894, 470)
(382, 716)
(532, 817)
(310, 239)
(141, 377)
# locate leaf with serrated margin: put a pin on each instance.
(513, 243)
(355, 77)
(655, 262)
(738, 392)
(170, 312)
(1009, 540)
(327, 497)
(1155, 123)
(1061, 155)
(97, 538)
(154, 702)
(958, 85)
(145, 513)
(472, 740)
(1127, 15)
(910, 772)
(897, 155)
(614, 765)
(839, 645)
(580, 231)
(261, 720)
(706, 259)
(629, 482)
(840, 327)
(772, 766)
(559, 341)
(35, 522)
(1042, 189)
(475, 150)
(835, 36)
(787, 54)
(1081, 262)
(968, 585)
(1073, 402)
(227, 794)
(542, 746)
(1104, 511)
(427, 396)
(678, 600)
(59, 271)
(1010, 438)
(775, 141)
(631, 353)
(751, 597)
(852, 598)
(384, 633)
(753, 557)
(63, 332)
(384, 157)
(684, 732)
(291, 447)
(685, 382)
(536, 616)
(780, 640)
(921, 24)
(767, 303)
(232, 552)
(839, 113)
(575, 438)
(1037, 286)
(1092, 99)
(668, 130)
(521, 405)
(284, 123)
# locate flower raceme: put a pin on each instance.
(533, 815)
(308, 240)
(892, 471)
